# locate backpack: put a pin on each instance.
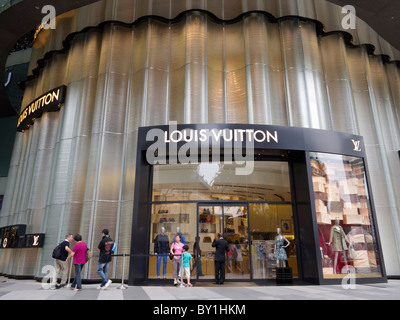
(58, 251)
(114, 248)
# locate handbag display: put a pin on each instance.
(352, 252)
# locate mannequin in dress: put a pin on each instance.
(280, 246)
(161, 249)
(339, 242)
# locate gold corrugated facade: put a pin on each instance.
(227, 62)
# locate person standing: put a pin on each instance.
(186, 263)
(79, 255)
(197, 257)
(176, 250)
(221, 246)
(61, 262)
(104, 247)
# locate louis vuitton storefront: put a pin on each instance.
(251, 183)
(246, 118)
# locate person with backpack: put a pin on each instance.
(105, 247)
(60, 253)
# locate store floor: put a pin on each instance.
(12, 289)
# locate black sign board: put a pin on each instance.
(35, 240)
(15, 237)
(49, 102)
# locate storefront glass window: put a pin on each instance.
(168, 220)
(346, 231)
(201, 200)
(265, 220)
(269, 181)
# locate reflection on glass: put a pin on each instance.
(208, 172)
(210, 223)
(231, 222)
(346, 231)
(269, 181)
(236, 233)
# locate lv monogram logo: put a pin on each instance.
(35, 240)
(356, 145)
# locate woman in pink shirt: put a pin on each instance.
(176, 248)
(79, 254)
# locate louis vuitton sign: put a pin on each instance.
(49, 102)
(14, 237)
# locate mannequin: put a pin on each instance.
(161, 249)
(338, 239)
(178, 232)
(280, 252)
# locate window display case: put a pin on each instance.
(344, 216)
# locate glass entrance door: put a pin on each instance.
(232, 222)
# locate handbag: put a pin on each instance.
(88, 255)
(352, 252)
(171, 256)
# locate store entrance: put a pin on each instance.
(230, 220)
(198, 201)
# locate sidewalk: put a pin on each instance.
(11, 289)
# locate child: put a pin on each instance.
(186, 264)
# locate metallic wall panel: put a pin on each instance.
(305, 93)
(338, 84)
(74, 170)
(393, 74)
